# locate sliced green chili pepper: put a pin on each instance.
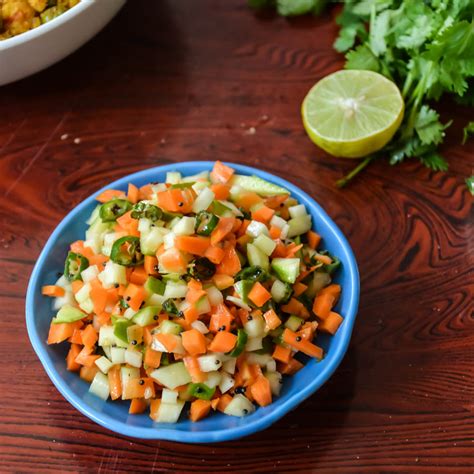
(219, 208)
(165, 359)
(202, 269)
(245, 214)
(144, 210)
(254, 273)
(129, 256)
(75, 264)
(112, 210)
(206, 222)
(240, 345)
(328, 268)
(201, 390)
(123, 304)
(170, 307)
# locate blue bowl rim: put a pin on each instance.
(187, 436)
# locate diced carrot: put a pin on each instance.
(138, 388)
(313, 239)
(191, 244)
(271, 319)
(323, 304)
(194, 342)
(236, 226)
(214, 254)
(76, 337)
(167, 340)
(221, 318)
(145, 192)
(247, 200)
(138, 276)
(134, 295)
(137, 406)
(243, 227)
(199, 409)
(323, 258)
(243, 240)
(221, 173)
(299, 288)
(53, 290)
(223, 281)
(132, 193)
(155, 408)
(224, 226)
(331, 323)
(292, 249)
(176, 200)
(243, 314)
(128, 223)
(221, 191)
(191, 314)
(88, 373)
(261, 391)
(275, 232)
(192, 366)
(115, 382)
(275, 202)
(230, 264)
(333, 289)
(195, 292)
(283, 354)
(259, 294)
(263, 214)
(71, 363)
(76, 285)
(223, 402)
(308, 329)
(110, 194)
(77, 246)
(291, 367)
(98, 295)
(173, 261)
(151, 265)
(293, 307)
(61, 331)
(99, 260)
(291, 338)
(89, 336)
(85, 357)
(214, 403)
(223, 342)
(280, 251)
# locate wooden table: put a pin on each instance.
(170, 81)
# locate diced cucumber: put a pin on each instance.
(238, 302)
(83, 294)
(100, 386)
(259, 359)
(226, 383)
(277, 221)
(68, 314)
(213, 379)
(318, 281)
(170, 412)
(104, 364)
(129, 313)
(253, 344)
(151, 239)
(200, 326)
(293, 323)
(146, 316)
(153, 285)
(203, 200)
(256, 257)
(229, 365)
(168, 240)
(255, 228)
(287, 269)
(172, 375)
(94, 215)
(299, 225)
(255, 327)
(239, 406)
(87, 306)
(265, 244)
(210, 362)
(243, 288)
(257, 185)
(90, 273)
(214, 296)
(107, 242)
(120, 329)
(271, 365)
(175, 289)
(106, 336)
(275, 382)
(281, 292)
(298, 210)
(113, 274)
(185, 226)
(118, 355)
(173, 177)
(169, 327)
(169, 396)
(133, 358)
(202, 305)
(135, 333)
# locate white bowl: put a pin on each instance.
(47, 44)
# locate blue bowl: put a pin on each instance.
(217, 427)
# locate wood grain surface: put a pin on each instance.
(170, 81)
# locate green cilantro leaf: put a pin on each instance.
(362, 57)
(470, 184)
(434, 161)
(428, 127)
(294, 7)
(467, 130)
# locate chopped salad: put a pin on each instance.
(206, 289)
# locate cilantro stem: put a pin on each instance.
(340, 183)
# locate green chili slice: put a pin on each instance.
(202, 269)
(328, 268)
(240, 345)
(75, 264)
(112, 210)
(126, 251)
(206, 222)
(170, 307)
(144, 210)
(201, 390)
(254, 273)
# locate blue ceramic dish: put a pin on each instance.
(217, 427)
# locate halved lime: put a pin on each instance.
(352, 113)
